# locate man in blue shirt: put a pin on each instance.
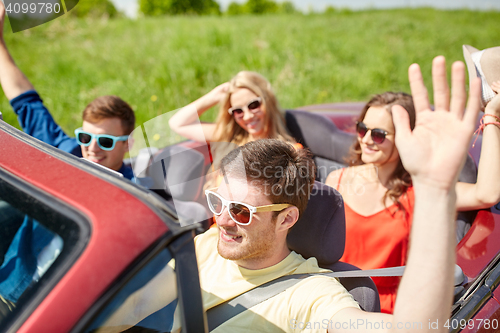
(107, 120)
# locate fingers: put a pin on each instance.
(458, 94)
(418, 90)
(401, 121)
(474, 103)
(440, 84)
(495, 86)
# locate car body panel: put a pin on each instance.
(480, 246)
(97, 199)
(490, 311)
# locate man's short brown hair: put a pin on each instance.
(110, 107)
(285, 174)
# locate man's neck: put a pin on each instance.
(264, 262)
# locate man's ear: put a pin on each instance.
(130, 142)
(287, 218)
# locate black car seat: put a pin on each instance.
(320, 233)
(328, 144)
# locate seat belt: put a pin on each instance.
(219, 314)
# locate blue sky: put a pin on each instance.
(130, 6)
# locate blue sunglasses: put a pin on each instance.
(105, 141)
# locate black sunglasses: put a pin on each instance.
(378, 135)
(252, 106)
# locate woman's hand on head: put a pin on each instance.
(493, 106)
(434, 151)
(495, 86)
(219, 93)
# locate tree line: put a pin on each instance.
(188, 7)
(211, 7)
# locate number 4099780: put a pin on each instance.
(472, 324)
(40, 7)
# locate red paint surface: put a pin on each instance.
(122, 228)
(481, 244)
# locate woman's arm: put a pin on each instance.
(486, 192)
(186, 121)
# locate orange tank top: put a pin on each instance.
(380, 240)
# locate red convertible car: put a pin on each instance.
(76, 240)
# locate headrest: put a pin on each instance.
(319, 134)
(320, 231)
(179, 171)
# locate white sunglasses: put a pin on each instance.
(240, 212)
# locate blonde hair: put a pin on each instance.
(227, 130)
(229, 135)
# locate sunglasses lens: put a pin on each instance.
(239, 213)
(361, 129)
(237, 112)
(214, 203)
(254, 105)
(105, 142)
(84, 138)
(378, 136)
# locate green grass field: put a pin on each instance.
(308, 58)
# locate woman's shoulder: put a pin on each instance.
(334, 177)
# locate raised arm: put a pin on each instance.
(13, 81)
(440, 138)
(486, 192)
(186, 121)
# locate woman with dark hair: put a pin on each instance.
(378, 193)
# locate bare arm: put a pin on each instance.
(186, 121)
(13, 81)
(426, 290)
(486, 192)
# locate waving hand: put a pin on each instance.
(434, 151)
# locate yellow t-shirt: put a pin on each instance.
(312, 301)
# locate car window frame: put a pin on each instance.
(181, 248)
(65, 260)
